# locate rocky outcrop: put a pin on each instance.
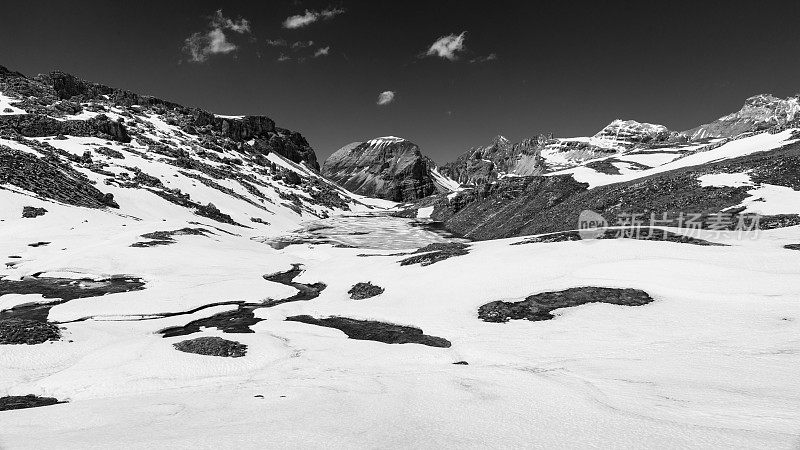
(390, 167)
(58, 95)
(758, 113)
(630, 133)
(481, 165)
(50, 178)
(540, 306)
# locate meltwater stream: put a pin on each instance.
(369, 231)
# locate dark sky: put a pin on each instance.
(566, 67)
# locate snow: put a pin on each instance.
(425, 213)
(711, 363)
(768, 199)
(444, 181)
(732, 149)
(7, 102)
(725, 179)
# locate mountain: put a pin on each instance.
(630, 167)
(544, 153)
(388, 167)
(758, 113)
(89, 145)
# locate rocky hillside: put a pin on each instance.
(84, 144)
(544, 153)
(389, 167)
(758, 113)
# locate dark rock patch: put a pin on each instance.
(165, 237)
(237, 321)
(212, 346)
(368, 330)
(434, 253)
(360, 291)
(38, 244)
(51, 178)
(645, 234)
(31, 212)
(61, 289)
(241, 319)
(27, 331)
(25, 401)
(539, 306)
(792, 246)
(461, 363)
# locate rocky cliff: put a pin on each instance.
(62, 104)
(758, 113)
(391, 168)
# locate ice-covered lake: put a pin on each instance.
(372, 231)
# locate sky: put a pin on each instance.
(447, 75)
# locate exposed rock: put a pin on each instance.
(30, 212)
(482, 165)
(25, 401)
(645, 234)
(375, 331)
(360, 291)
(434, 253)
(391, 168)
(51, 179)
(212, 346)
(758, 113)
(27, 331)
(157, 238)
(792, 246)
(539, 306)
(537, 205)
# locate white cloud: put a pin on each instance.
(221, 22)
(302, 44)
(322, 52)
(385, 97)
(448, 46)
(283, 58)
(309, 17)
(203, 44)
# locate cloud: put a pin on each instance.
(283, 58)
(322, 52)
(309, 17)
(202, 44)
(385, 97)
(448, 47)
(221, 22)
(482, 59)
(302, 44)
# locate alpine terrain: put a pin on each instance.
(177, 278)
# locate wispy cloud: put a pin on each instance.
(199, 46)
(483, 59)
(302, 44)
(283, 58)
(323, 51)
(309, 17)
(385, 97)
(448, 47)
